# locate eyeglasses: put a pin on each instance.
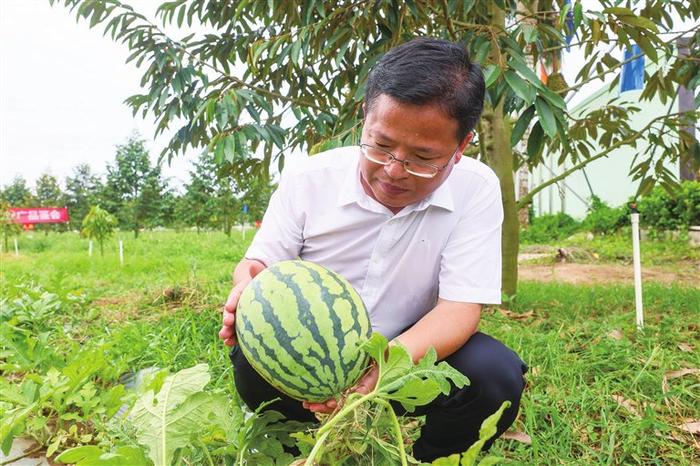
(414, 167)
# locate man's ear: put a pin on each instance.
(364, 110)
(465, 142)
(463, 145)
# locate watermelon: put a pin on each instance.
(300, 326)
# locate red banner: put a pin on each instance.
(31, 215)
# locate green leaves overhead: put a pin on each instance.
(226, 86)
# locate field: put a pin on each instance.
(599, 391)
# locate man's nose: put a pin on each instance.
(395, 169)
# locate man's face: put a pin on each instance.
(409, 132)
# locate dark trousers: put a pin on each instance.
(452, 421)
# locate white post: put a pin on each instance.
(90, 249)
(121, 252)
(637, 269)
(16, 247)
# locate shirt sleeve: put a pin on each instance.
(280, 236)
(470, 266)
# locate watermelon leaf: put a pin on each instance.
(411, 384)
(168, 420)
(468, 458)
(90, 455)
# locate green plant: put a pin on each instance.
(400, 381)
(98, 224)
(547, 228)
(603, 219)
(664, 210)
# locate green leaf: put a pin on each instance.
(544, 112)
(520, 87)
(618, 11)
(526, 72)
(578, 15)
(452, 460)
(411, 384)
(90, 455)
(535, 142)
(640, 22)
(167, 421)
(491, 74)
(488, 429)
(553, 98)
(530, 33)
(521, 125)
(12, 420)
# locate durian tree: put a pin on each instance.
(227, 89)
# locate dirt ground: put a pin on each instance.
(686, 274)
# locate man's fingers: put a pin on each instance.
(226, 332)
(229, 319)
(326, 407)
(230, 341)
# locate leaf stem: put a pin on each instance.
(344, 411)
(316, 449)
(397, 429)
(206, 453)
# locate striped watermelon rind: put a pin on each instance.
(301, 327)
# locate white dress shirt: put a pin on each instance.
(447, 245)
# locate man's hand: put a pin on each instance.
(365, 385)
(245, 271)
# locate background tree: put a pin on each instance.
(225, 202)
(133, 187)
(82, 191)
(99, 225)
(256, 193)
(9, 227)
(48, 194)
(311, 61)
(17, 193)
(197, 200)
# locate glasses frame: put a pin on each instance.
(393, 158)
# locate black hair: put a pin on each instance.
(427, 71)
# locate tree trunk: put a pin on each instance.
(499, 157)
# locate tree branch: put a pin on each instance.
(525, 200)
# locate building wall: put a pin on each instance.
(609, 176)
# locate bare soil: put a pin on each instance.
(588, 274)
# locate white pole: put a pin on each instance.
(637, 269)
(16, 248)
(90, 249)
(121, 252)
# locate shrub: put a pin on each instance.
(602, 218)
(547, 228)
(662, 210)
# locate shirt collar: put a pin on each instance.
(352, 191)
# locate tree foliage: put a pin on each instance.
(282, 75)
(134, 187)
(48, 194)
(17, 193)
(82, 191)
(99, 225)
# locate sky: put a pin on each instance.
(62, 91)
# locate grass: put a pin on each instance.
(598, 391)
(616, 248)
